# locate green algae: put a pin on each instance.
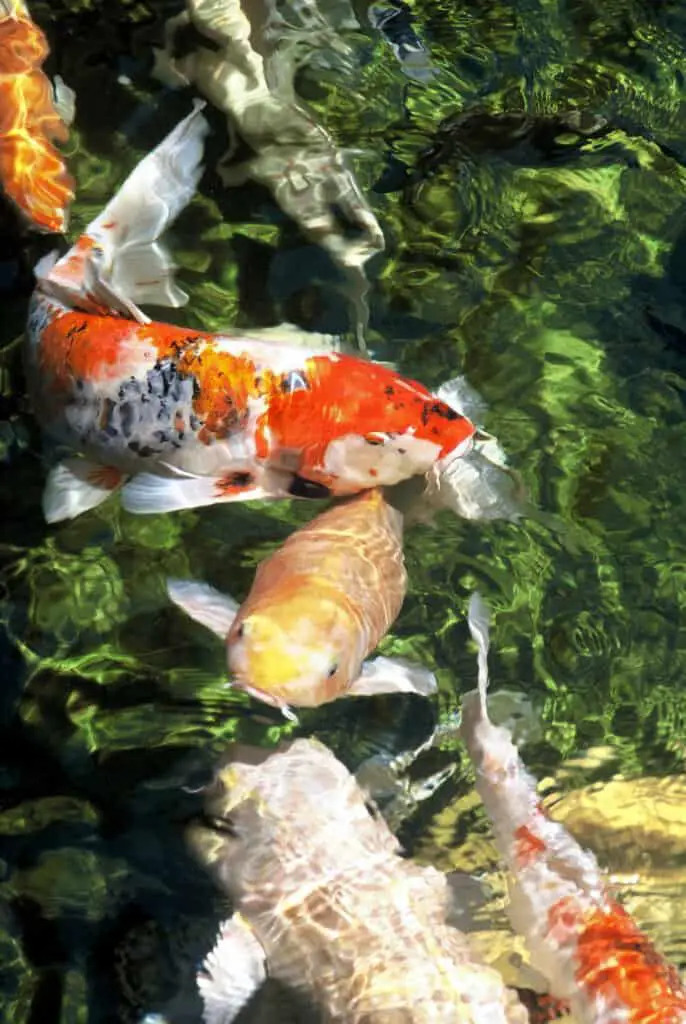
(551, 277)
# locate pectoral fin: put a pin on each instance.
(204, 604)
(77, 485)
(392, 675)
(232, 972)
(147, 494)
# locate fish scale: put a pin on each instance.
(327, 906)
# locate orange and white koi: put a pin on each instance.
(33, 173)
(184, 418)
(587, 947)
(318, 606)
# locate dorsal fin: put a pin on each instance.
(478, 620)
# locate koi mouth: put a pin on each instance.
(268, 698)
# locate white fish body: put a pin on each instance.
(585, 945)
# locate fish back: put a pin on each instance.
(356, 547)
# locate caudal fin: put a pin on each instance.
(120, 261)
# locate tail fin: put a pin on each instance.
(478, 620)
(120, 261)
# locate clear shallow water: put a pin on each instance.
(544, 262)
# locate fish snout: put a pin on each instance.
(271, 663)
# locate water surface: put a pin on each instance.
(545, 259)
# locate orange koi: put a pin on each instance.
(318, 606)
(184, 418)
(588, 948)
(32, 116)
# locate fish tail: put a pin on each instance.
(120, 261)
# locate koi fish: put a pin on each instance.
(181, 418)
(33, 115)
(325, 904)
(318, 606)
(588, 948)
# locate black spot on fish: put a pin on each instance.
(441, 409)
(178, 345)
(389, 390)
(302, 488)
(239, 479)
(144, 450)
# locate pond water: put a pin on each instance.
(531, 190)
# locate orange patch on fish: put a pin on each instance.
(85, 346)
(105, 476)
(346, 390)
(32, 171)
(564, 918)
(225, 383)
(528, 846)
(617, 959)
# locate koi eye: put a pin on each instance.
(332, 671)
(372, 809)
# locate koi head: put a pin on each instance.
(297, 647)
(269, 810)
(357, 424)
